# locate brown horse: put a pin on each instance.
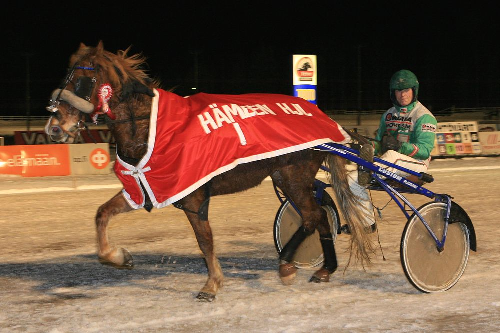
(101, 82)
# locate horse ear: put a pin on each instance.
(100, 46)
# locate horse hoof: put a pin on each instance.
(287, 273)
(128, 261)
(321, 275)
(124, 260)
(128, 265)
(318, 279)
(205, 297)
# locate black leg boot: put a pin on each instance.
(287, 269)
(289, 249)
(330, 260)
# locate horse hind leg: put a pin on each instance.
(287, 269)
(108, 255)
(330, 260)
(313, 218)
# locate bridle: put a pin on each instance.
(80, 100)
(84, 87)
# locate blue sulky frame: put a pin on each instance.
(380, 175)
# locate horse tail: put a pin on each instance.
(350, 206)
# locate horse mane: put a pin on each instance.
(123, 72)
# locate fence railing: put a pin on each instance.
(448, 111)
(23, 118)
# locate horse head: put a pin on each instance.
(97, 82)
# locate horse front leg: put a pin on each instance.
(108, 255)
(203, 234)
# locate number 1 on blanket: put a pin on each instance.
(243, 140)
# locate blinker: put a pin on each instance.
(84, 86)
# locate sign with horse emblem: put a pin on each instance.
(305, 77)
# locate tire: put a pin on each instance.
(426, 268)
(309, 254)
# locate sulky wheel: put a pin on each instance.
(427, 268)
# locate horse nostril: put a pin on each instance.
(55, 130)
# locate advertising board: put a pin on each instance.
(55, 159)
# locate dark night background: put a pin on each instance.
(238, 47)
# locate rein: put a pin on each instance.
(358, 137)
(85, 125)
(121, 121)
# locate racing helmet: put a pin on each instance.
(403, 79)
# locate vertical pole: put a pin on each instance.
(28, 95)
(359, 85)
(196, 72)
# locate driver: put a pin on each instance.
(405, 137)
(407, 131)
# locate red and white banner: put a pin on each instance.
(102, 135)
(193, 139)
(35, 161)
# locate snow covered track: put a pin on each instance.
(51, 280)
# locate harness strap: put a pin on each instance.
(358, 137)
(203, 210)
(108, 121)
(90, 134)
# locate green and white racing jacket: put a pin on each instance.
(415, 129)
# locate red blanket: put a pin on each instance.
(194, 139)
